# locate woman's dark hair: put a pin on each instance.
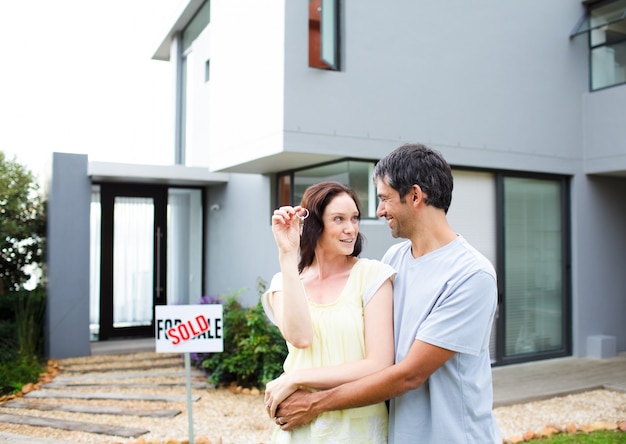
(316, 198)
(417, 164)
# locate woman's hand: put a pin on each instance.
(277, 391)
(286, 225)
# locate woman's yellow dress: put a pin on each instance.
(338, 338)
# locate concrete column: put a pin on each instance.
(67, 313)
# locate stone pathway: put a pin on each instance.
(142, 379)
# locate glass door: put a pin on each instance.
(534, 274)
(133, 252)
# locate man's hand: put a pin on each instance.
(297, 410)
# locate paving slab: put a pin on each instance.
(96, 410)
(533, 381)
(107, 395)
(105, 429)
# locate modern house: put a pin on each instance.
(526, 100)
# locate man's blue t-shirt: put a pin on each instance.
(446, 298)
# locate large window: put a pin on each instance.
(606, 25)
(534, 267)
(356, 174)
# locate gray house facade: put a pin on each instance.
(526, 100)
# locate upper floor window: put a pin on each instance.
(357, 174)
(324, 34)
(606, 24)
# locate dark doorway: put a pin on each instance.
(133, 259)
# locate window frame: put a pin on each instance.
(288, 179)
(583, 26)
(324, 34)
(501, 357)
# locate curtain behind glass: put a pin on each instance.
(533, 265)
(184, 246)
(133, 261)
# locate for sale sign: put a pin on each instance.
(189, 328)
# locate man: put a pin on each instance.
(445, 297)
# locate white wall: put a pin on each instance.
(198, 93)
(247, 66)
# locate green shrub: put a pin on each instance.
(29, 312)
(8, 341)
(18, 372)
(21, 338)
(8, 336)
(254, 349)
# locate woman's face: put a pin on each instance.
(341, 225)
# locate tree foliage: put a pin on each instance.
(22, 224)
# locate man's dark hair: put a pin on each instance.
(416, 164)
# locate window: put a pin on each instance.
(606, 25)
(324, 34)
(356, 174)
(534, 277)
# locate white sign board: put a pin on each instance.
(189, 328)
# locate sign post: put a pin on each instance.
(189, 329)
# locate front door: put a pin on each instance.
(133, 267)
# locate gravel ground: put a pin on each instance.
(584, 411)
(230, 416)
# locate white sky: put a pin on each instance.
(77, 76)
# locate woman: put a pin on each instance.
(333, 308)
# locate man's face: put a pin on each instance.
(394, 209)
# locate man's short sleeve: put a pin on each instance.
(460, 320)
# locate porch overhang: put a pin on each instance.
(279, 162)
(180, 175)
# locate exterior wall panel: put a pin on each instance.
(478, 88)
(247, 81)
(605, 130)
(599, 281)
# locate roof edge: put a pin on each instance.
(185, 13)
